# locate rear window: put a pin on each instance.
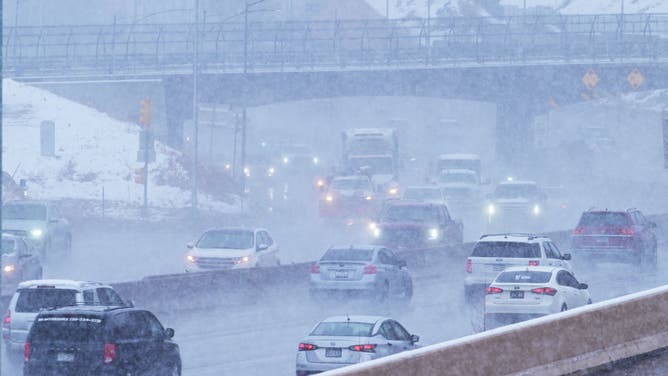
(345, 329)
(604, 219)
(347, 255)
(33, 300)
(506, 249)
(524, 277)
(72, 328)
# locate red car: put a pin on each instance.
(620, 236)
(414, 225)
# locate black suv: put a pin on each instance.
(89, 340)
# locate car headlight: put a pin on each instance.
(241, 260)
(191, 258)
(315, 160)
(247, 172)
(393, 191)
(8, 268)
(320, 183)
(286, 160)
(270, 171)
(433, 234)
(329, 198)
(372, 226)
(377, 233)
(368, 198)
(536, 209)
(491, 209)
(36, 233)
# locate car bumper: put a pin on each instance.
(545, 307)
(621, 255)
(306, 367)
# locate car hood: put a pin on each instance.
(460, 185)
(221, 252)
(9, 258)
(351, 193)
(22, 224)
(513, 201)
(381, 179)
(407, 225)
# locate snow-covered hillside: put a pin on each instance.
(93, 153)
(594, 6)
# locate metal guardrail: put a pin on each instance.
(333, 45)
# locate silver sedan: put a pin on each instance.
(343, 340)
(364, 270)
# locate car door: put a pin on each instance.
(108, 297)
(647, 233)
(580, 296)
(565, 289)
(157, 349)
(131, 334)
(390, 345)
(28, 261)
(403, 336)
(389, 271)
(552, 258)
(263, 255)
(273, 248)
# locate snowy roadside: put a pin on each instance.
(95, 160)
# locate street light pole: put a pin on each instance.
(193, 199)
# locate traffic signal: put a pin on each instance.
(145, 112)
(140, 175)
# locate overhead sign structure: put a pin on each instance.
(590, 79)
(635, 78)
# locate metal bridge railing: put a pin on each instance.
(337, 44)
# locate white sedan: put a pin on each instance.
(232, 248)
(522, 293)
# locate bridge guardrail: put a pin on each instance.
(336, 44)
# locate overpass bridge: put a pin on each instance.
(523, 64)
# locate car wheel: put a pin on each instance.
(589, 301)
(564, 307)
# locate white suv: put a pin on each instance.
(494, 253)
(33, 296)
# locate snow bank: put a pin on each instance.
(93, 153)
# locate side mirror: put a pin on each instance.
(130, 303)
(169, 333)
(415, 338)
(652, 224)
(262, 247)
(583, 286)
(53, 220)
(25, 254)
(401, 263)
(189, 245)
(23, 183)
(566, 256)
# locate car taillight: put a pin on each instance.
(307, 347)
(26, 351)
(469, 266)
(534, 262)
(493, 290)
(627, 231)
(363, 348)
(370, 269)
(544, 290)
(578, 231)
(315, 269)
(109, 353)
(8, 318)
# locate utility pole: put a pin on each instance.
(193, 198)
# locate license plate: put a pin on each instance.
(333, 353)
(65, 357)
(517, 294)
(341, 275)
(498, 267)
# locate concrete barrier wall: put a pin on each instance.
(559, 344)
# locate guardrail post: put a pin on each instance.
(157, 47)
(39, 41)
(113, 46)
(67, 48)
(592, 38)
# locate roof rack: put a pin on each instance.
(83, 304)
(522, 234)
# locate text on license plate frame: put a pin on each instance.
(341, 274)
(333, 353)
(64, 357)
(517, 294)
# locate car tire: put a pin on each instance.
(564, 307)
(589, 301)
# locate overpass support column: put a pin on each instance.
(514, 134)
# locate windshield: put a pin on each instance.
(7, 246)
(33, 300)
(345, 329)
(604, 220)
(423, 193)
(516, 191)
(506, 249)
(454, 164)
(230, 239)
(407, 213)
(69, 328)
(347, 255)
(524, 277)
(457, 177)
(369, 146)
(23, 212)
(351, 184)
(375, 165)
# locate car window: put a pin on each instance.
(89, 297)
(8, 245)
(506, 249)
(267, 238)
(129, 325)
(21, 247)
(555, 249)
(446, 213)
(346, 329)
(55, 212)
(109, 297)
(384, 258)
(33, 300)
(387, 331)
(72, 328)
(604, 219)
(155, 329)
(348, 254)
(570, 280)
(549, 252)
(524, 276)
(401, 333)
